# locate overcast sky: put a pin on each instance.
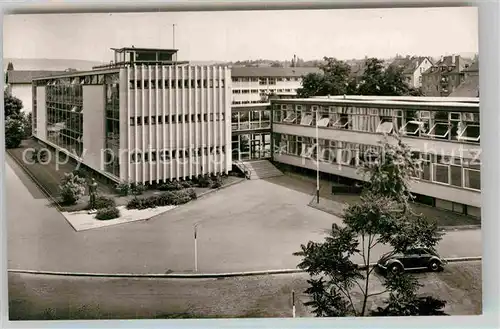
(242, 35)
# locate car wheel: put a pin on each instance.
(434, 266)
(395, 268)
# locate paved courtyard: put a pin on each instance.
(254, 225)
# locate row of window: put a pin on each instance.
(265, 80)
(453, 171)
(256, 91)
(428, 124)
(176, 83)
(249, 102)
(94, 79)
(168, 155)
(167, 119)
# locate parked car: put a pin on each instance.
(412, 259)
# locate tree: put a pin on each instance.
(10, 67)
(375, 80)
(72, 188)
(12, 105)
(26, 119)
(333, 81)
(372, 80)
(382, 217)
(14, 132)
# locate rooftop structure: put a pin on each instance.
(129, 56)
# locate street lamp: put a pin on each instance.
(317, 156)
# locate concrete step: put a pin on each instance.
(261, 169)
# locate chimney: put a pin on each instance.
(453, 59)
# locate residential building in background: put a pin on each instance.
(144, 118)
(443, 77)
(18, 83)
(250, 116)
(444, 133)
(470, 86)
(253, 85)
(412, 68)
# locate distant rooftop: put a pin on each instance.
(26, 77)
(272, 71)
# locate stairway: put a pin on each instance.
(259, 169)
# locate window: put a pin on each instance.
(153, 120)
(146, 120)
(441, 173)
(472, 178)
(412, 128)
(160, 120)
(324, 122)
(139, 121)
(470, 133)
(306, 120)
(290, 117)
(439, 130)
(386, 126)
(456, 172)
(342, 122)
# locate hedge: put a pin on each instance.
(170, 198)
(108, 213)
(102, 202)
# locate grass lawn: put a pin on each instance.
(44, 297)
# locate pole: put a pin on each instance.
(293, 303)
(195, 249)
(317, 156)
(173, 36)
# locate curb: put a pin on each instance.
(200, 275)
(441, 228)
(460, 228)
(220, 188)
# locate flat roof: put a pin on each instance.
(126, 49)
(272, 71)
(26, 76)
(405, 98)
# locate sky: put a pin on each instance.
(231, 36)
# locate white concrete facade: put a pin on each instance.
(188, 127)
(93, 126)
(447, 141)
(174, 121)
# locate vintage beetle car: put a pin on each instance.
(412, 259)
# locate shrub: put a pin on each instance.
(171, 186)
(216, 182)
(72, 188)
(123, 188)
(192, 193)
(169, 198)
(108, 213)
(137, 188)
(79, 172)
(102, 202)
(14, 133)
(186, 184)
(204, 181)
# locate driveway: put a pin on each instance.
(254, 225)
